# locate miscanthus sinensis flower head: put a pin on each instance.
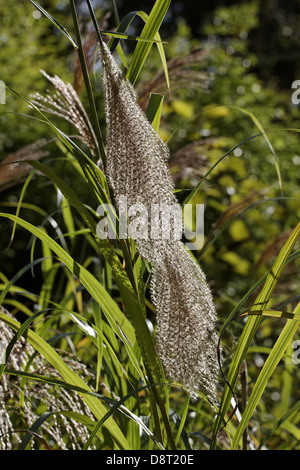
(137, 168)
(65, 103)
(21, 403)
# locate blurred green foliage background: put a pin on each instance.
(231, 69)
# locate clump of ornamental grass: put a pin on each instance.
(22, 402)
(137, 169)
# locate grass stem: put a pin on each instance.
(88, 86)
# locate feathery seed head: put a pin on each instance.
(64, 432)
(136, 168)
(66, 104)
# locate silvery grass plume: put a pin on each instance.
(65, 103)
(21, 405)
(136, 168)
(14, 169)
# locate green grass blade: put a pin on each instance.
(281, 421)
(17, 276)
(160, 48)
(261, 129)
(274, 314)
(15, 338)
(114, 315)
(262, 133)
(122, 28)
(197, 187)
(287, 381)
(154, 110)
(119, 405)
(105, 341)
(18, 306)
(252, 325)
(55, 22)
(68, 217)
(71, 378)
(226, 218)
(27, 181)
(271, 363)
(235, 312)
(131, 37)
(96, 125)
(124, 25)
(100, 344)
(53, 381)
(184, 412)
(150, 31)
(34, 428)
